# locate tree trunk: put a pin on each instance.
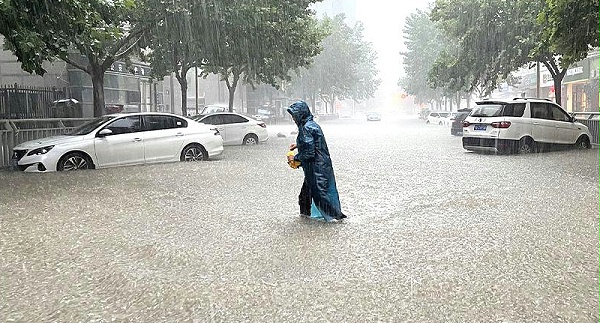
(183, 83)
(558, 87)
(332, 103)
(184, 89)
(557, 77)
(98, 93)
(231, 87)
(231, 97)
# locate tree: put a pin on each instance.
(571, 27)
(496, 37)
(424, 42)
(175, 44)
(489, 38)
(257, 41)
(103, 32)
(344, 69)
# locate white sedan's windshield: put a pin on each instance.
(90, 126)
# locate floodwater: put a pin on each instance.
(434, 234)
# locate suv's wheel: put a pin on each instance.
(193, 152)
(250, 139)
(583, 142)
(74, 161)
(526, 146)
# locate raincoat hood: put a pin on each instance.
(300, 112)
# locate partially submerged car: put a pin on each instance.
(521, 125)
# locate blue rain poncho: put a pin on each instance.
(316, 162)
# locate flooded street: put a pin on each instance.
(434, 234)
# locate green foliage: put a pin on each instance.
(256, 41)
(40, 30)
(492, 39)
(174, 43)
(496, 37)
(344, 69)
(570, 28)
(424, 43)
(102, 31)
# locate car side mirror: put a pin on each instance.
(104, 133)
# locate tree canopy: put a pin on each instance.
(496, 37)
(102, 31)
(249, 41)
(424, 42)
(344, 69)
(257, 41)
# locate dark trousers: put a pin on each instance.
(304, 199)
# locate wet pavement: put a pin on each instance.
(434, 234)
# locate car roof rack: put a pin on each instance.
(532, 99)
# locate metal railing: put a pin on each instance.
(16, 131)
(592, 121)
(21, 102)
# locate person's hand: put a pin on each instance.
(290, 159)
(293, 146)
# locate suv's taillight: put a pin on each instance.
(501, 124)
(466, 124)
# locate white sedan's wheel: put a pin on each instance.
(74, 161)
(250, 140)
(193, 153)
(583, 143)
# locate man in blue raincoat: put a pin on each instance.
(319, 181)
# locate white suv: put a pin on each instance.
(521, 125)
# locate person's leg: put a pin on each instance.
(304, 199)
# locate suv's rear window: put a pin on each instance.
(499, 110)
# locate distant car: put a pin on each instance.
(214, 108)
(424, 113)
(373, 116)
(521, 126)
(120, 139)
(260, 117)
(456, 126)
(236, 129)
(439, 118)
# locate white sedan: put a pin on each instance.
(236, 129)
(121, 139)
(439, 118)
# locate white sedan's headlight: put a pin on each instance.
(40, 151)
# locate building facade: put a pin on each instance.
(126, 88)
(579, 86)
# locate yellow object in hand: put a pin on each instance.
(294, 163)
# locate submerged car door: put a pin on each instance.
(542, 124)
(123, 146)
(163, 137)
(566, 132)
(236, 128)
(217, 121)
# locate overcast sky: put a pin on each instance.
(383, 21)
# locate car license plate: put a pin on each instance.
(480, 127)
